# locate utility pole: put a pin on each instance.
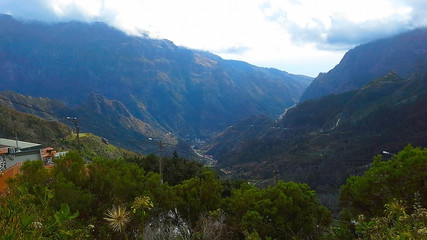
(76, 124)
(275, 172)
(161, 160)
(16, 139)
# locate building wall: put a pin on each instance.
(24, 156)
(9, 173)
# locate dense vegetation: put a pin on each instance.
(49, 133)
(74, 199)
(388, 201)
(119, 199)
(324, 141)
(30, 127)
(97, 115)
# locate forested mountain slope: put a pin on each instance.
(107, 118)
(323, 141)
(187, 92)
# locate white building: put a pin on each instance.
(12, 152)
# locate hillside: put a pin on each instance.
(405, 54)
(31, 128)
(324, 141)
(186, 92)
(51, 133)
(99, 115)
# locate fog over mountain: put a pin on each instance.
(373, 101)
(188, 93)
(406, 54)
(304, 37)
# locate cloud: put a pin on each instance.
(235, 49)
(61, 10)
(328, 24)
(339, 25)
(287, 34)
(37, 10)
(344, 33)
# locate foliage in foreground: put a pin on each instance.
(116, 199)
(388, 201)
(395, 224)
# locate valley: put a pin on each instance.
(199, 146)
(253, 121)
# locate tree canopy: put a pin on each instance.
(120, 199)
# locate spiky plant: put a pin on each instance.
(117, 217)
(144, 203)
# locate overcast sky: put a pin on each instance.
(297, 36)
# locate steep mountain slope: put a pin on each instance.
(190, 93)
(99, 115)
(323, 141)
(28, 127)
(50, 133)
(405, 53)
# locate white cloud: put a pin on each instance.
(335, 24)
(299, 36)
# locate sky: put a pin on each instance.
(298, 36)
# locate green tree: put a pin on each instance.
(197, 196)
(395, 223)
(404, 175)
(72, 168)
(26, 215)
(77, 198)
(115, 181)
(286, 210)
(175, 169)
(400, 177)
(33, 173)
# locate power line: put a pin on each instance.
(185, 150)
(29, 106)
(154, 142)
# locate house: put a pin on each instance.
(48, 154)
(13, 151)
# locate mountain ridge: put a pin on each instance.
(324, 141)
(405, 53)
(108, 118)
(188, 92)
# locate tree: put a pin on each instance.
(175, 170)
(395, 223)
(72, 168)
(400, 177)
(33, 173)
(198, 196)
(363, 197)
(26, 215)
(286, 210)
(115, 181)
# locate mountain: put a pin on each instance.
(28, 127)
(50, 133)
(324, 141)
(405, 53)
(107, 118)
(186, 92)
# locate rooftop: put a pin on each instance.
(21, 144)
